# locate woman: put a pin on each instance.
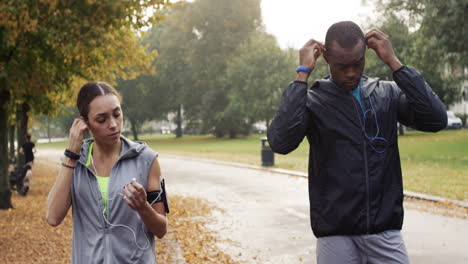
(106, 180)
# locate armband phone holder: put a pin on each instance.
(159, 196)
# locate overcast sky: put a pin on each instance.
(294, 22)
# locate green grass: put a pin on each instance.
(436, 163)
(432, 163)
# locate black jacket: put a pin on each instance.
(355, 181)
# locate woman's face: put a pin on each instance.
(105, 118)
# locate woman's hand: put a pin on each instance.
(135, 196)
(75, 138)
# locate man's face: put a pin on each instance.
(346, 64)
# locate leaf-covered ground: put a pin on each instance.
(25, 237)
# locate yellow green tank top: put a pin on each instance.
(103, 182)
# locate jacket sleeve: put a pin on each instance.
(418, 106)
(290, 123)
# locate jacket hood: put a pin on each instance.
(130, 149)
(368, 84)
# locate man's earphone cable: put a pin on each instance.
(376, 137)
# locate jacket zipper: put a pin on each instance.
(107, 256)
(101, 207)
(366, 172)
(101, 213)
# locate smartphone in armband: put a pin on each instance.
(159, 196)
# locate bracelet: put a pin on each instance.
(303, 69)
(72, 155)
(68, 166)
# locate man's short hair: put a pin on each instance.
(346, 33)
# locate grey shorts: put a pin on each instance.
(386, 247)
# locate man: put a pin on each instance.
(350, 120)
(28, 148)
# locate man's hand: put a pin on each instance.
(308, 56)
(381, 44)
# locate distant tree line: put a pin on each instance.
(217, 70)
(220, 72)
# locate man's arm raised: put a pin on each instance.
(308, 56)
(418, 106)
(289, 125)
(381, 44)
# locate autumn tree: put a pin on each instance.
(47, 47)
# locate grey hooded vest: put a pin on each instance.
(94, 240)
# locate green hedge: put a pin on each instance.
(463, 117)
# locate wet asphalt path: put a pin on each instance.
(264, 217)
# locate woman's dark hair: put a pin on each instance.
(90, 91)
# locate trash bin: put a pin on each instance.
(268, 157)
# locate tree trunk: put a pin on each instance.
(179, 122)
(21, 130)
(219, 133)
(5, 193)
(232, 133)
(48, 129)
(134, 128)
(11, 139)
